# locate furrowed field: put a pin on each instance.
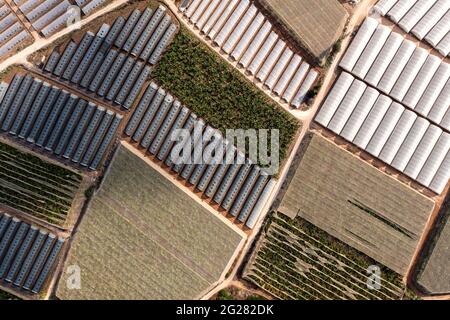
(315, 24)
(433, 274)
(39, 188)
(219, 94)
(144, 238)
(296, 260)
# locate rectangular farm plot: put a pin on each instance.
(434, 276)
(358, 204)
(225, 101)
(316, 24)
(143, 238)
(33, 186)
(296, 260)
(427, 20)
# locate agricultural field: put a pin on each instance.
(144, 238)
(14, 36)
(237, 293)
(315, 24)
(34, 186)
(355, 202)
(296, 260)
(434, 271)
(256, 45)
(226, 100)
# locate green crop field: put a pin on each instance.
(34, 186)
(144, 238)
(218, 93)
(358, 204)
(6, 296)
(296, 260)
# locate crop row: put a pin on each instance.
(303, 262)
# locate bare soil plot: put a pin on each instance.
(143, 238)
(296, 260)
(315, 24)
(356, 203)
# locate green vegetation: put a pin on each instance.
(234, 293)
(6, 296)
(380, 217)
(296, 260)
(218, 93)
(224, 294)
(334, 51)
(34, 186)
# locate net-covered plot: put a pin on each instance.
(358, 204)
(46, 16)
(388, 131)
(116, 62)
(33, 186)
(225, 101)
(400, 69)
(428, 20)
(237, 185)
(295, 260)
(247, 36)
(28, 255)
(434, 275)
(12, 32)
(57, 121)
(144, 238)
